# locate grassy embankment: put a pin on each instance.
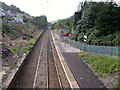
(17, 45)
(102, 65)
(14, 31)
(16, 49)
(30, 43)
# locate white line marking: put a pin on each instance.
(61, 62)
(62, 58)
(56, 67)
(47, 68)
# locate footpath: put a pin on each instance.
(81, 72)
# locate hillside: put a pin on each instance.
(13, 32)
(19, 33)
(17, 23)
(11, 8)
(19, 27)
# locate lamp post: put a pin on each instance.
(84, 36)
(85, 39)
(66, 26)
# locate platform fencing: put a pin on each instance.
(101, 50)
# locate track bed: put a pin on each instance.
(41, 68)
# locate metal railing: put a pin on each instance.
(101, 50)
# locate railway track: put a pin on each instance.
(41, 68)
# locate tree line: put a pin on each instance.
(40, 22)
(100, 21)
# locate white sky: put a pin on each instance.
(53, 9)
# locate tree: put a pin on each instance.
(40, 22)
(108, 20)
(100, 21)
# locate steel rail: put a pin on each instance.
(58, 74)
(47, 68)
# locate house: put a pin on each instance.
(18, 18)
(2, 12)
(12, 14)
(15, 17)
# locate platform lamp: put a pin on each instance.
(84, 36)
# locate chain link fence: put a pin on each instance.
(101, 50)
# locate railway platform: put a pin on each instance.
(82, 73)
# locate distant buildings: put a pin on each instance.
(13, 17)
(2, 12)
(18, 18)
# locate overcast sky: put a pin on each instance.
(53, 9)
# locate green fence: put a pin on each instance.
(101, 50)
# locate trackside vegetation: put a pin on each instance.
(101, 65)
(15, 31)
(27, 46)
(31, 42)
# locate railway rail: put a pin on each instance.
(41, 68)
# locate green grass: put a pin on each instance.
(118, 84)
(101, 65)
(30, 43)
(15, 49)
